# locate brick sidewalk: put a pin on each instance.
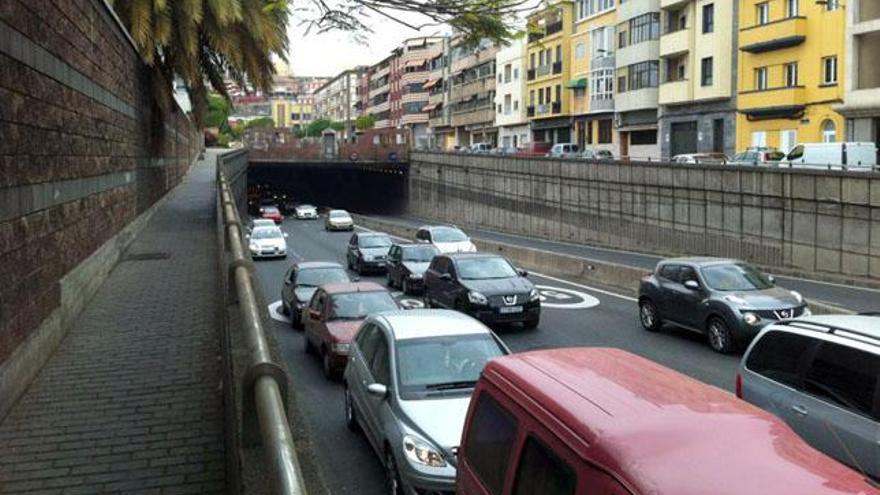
(132, 401)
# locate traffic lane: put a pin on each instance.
(347, 460)
(614, 323)
(857, 299)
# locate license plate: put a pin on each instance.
(510, 309)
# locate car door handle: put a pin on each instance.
(799, 409)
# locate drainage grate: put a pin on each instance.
(158, 255)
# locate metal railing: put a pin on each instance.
(265, 381)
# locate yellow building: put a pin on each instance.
(291, 113)
(592, 75)
(791, 56)
(548, 70)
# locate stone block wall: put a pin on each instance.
(820, 224)
(84, 150)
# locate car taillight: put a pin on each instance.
(739, 386)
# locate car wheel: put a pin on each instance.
(648, 315)
(531, 324)
(350, 414)
(720, 338)
(307, 344)
(392, 476)
(295, 320)
(327, 365)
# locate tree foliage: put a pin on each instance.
(203, 40)
(218, 112)
(364, 122)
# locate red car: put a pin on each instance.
(533, 149)
(271, 213)
(334, 315)
(606, 422)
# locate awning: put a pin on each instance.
(430, 84)
(577, 83)
(415, 63)
(428, 108)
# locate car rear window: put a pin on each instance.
(490, 440)
(777, 356)
(844, 376)
(542, 471)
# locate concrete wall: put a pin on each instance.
(816, 223)
(84, 155)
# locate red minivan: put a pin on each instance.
(596, 421)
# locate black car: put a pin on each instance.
(367, 251)
(406, 265)
(485, 286)
(728, 300)
(302, 280)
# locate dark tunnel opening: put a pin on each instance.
(374, 188)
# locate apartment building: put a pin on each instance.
(592, 75)
(292, 113)
(472, 92)
(697, 76)
(408, 75)
(379, 92)
(441, 134)
(337, 100)
(791, 72)
(861, 102)
(513, 129)
(638, 78)
(548, 70)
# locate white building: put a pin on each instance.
(339, 99)
(510, 119)
(861, 105)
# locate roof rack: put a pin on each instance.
(812, 325)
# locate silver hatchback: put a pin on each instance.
(821, 375)
(408, 385)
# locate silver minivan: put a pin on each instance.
(821, 375)
(408, 385)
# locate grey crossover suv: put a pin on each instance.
(408, 385)
(728, 300)
(821, 376)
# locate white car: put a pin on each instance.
(305, 212)
(338, 220)
(564, 150)
(267, 242)
(446, 239)
(262, 222)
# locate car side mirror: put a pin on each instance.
(378, 390)
(315, 315)
(523, 273)
(692, 284)
(287, 282)
(771, 279)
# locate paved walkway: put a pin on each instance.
(131, 401)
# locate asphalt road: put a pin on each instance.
(853, 298)
(592, 318)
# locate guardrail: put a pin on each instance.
(264, 391)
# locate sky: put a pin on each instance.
(330, 53)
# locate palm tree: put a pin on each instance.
(204, 40)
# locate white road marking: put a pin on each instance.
(561, 298)
(275, 312)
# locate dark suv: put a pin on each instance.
(728, 300)
(367, 251)
(485, 286)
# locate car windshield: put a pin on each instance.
(271, 210)
(448, 234)
(315, 277)
(358, 305)
(266, 234)
(419, 253)
(734, 277)
(374, 241)
(338, 214)
(435, 364)
(745, 157)
(483, 268)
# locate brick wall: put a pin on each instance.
(821, 224)
(83, 149)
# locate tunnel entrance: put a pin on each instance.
(370, 188)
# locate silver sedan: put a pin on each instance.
(408, 384)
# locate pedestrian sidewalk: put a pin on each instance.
(132, 399)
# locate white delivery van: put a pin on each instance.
(836, 156)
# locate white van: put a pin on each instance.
(836, 156)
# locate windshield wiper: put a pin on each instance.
(451, 385)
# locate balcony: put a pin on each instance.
(674, 92)
(676, 42)
(776, 35)
(773, 103)
(421, 96)
(543, 70)
(546, 109)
